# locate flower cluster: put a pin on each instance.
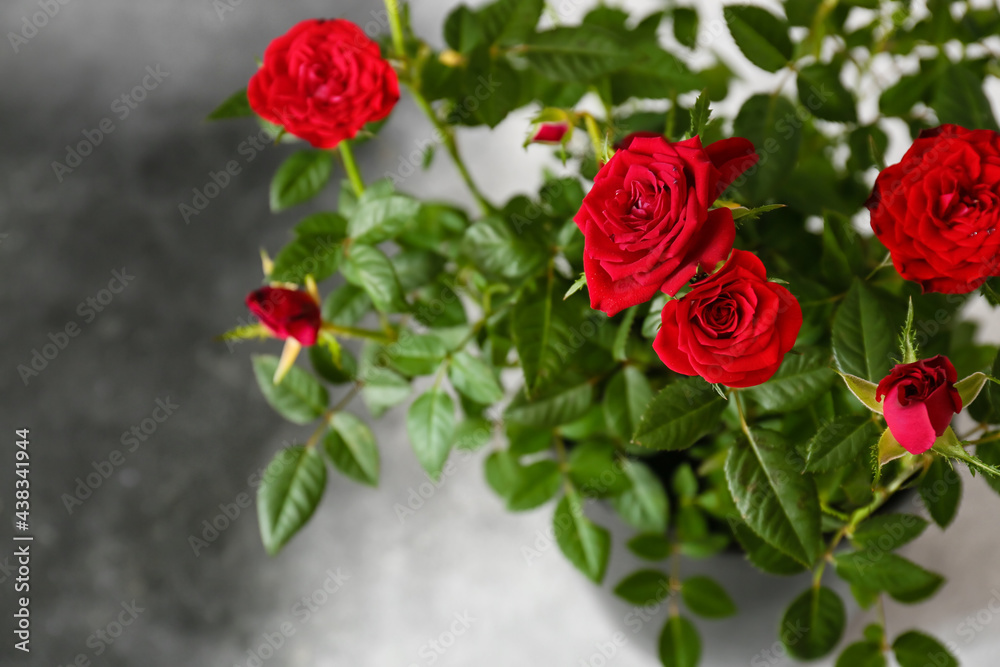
(649, 227)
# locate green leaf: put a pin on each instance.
(299, 398)
(680, 414)
(289, 492)
(236, 106)
(313, 254)
(990, 456)
(383, 389)
(700, 112)
(552, 409)
(584, 543)
(959, 99)
(430, 424)
(622, 334)
(813, 623)
(801, 380)
(887, 532)
(328, 369)
(902, 579)
(941, 491)
(539, 336)
(686, 28)
(346, 305)
(680, 645)
(969, 388)
(765, 120)
(595, 470)
(899, 99)
(651, 546)
(502, 472)
(864, 391)
(509, 22)
(368, 268)
(760, 35)
(474, 378)
(472, 433)
(842, 258)
(495, 248)
(915, 649)
(775, 499)
(625, 399)
(991, 291)
(822, 93)
(841, 442)
(644, 506)
(379, 219)
(461, 30)
(350, 444)
(300, 178)
(762, 555)
(534, 485)
(862, 345)
(705, 597)
(888, 448)
(753, 214)
(418, 354)
(862, 654)
(323, 224)
(527, 440)
(579, 53)
(644, 587)
(577, 285)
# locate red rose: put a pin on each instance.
(646, 223)
(920, 400)
(549, 133)
(323, 80)
(734, 327)
(287, 313)
(938, 210)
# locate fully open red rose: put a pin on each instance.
(287, 313)
(646, 223)
(938, 210)
(733, 328)
(919, 401)
(323, 80)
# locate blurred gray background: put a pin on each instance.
(450, 584)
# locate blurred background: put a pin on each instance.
(99, 265)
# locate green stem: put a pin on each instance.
(340, 405)
(675, 580)
(355, 332)
(351, 167)
(396, 27)
(594, 132)
(886, 261)
(448, 139)
(989, 438)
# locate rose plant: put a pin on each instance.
(689, 322)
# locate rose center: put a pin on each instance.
(970, 205)
(721, 316)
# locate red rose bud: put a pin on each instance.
(549, 133)
(938, 210)
(286, 313)
(323, 80)
(733, 328)
(646, 223)
(918, 401)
